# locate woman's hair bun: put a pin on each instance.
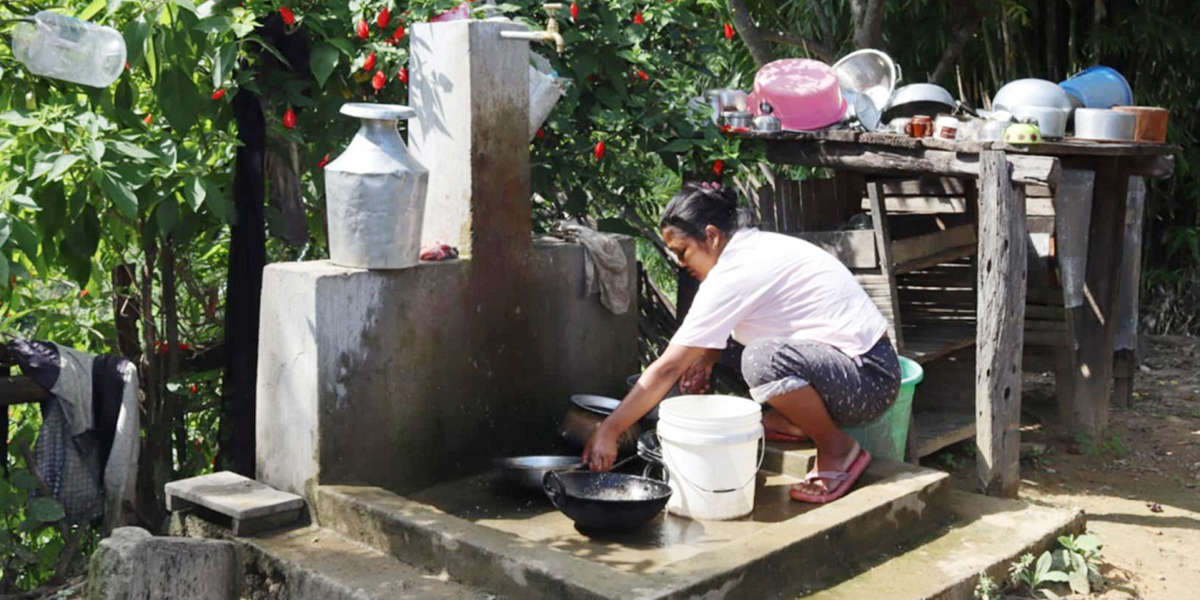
(699, 204)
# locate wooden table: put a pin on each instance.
(1088, 182)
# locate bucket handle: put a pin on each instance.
(899, 72)
(762, 453)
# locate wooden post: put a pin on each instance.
(999, 333)
(1097, 318)
(883, 239)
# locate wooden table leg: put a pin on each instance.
(1095, 322)
(1072, 223)
(1000, 333)
(1125, 359)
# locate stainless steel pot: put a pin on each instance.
(1104, 124)
(738, 120)
(1051, 121)
(1032, 92)
(529, 471)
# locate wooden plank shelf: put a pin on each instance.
(927, 343)
(936, 429)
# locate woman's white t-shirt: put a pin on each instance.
(768, 285)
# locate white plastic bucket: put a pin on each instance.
(712, 448)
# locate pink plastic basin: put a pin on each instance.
(804, 93)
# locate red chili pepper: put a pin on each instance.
(195, 389)
(217, 95)
(289, 17)
(718, 166)
(643, 75)
(726, 129)
(598, 151)
(541, 134)
(574, 11)
(637, 19)
(324, 161)
(369, 63)
(379, 80)
(362, 29)
(728, 31)
(385, 17)
(289, 118)
(402, 75)
(399, 33)
(148, 119)
(83, 293)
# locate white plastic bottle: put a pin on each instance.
(54, 45)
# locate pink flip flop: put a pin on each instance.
(846, 478)
(779, 436)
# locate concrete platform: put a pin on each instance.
(517, 545)
(988, 535)
(310, 563)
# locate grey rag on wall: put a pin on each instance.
(606, 268)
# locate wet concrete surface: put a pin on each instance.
(488, 500)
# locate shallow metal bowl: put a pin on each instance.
(868, 72)
(528, 471)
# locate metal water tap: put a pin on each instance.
(551, 33)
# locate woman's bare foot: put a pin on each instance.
(831, 460)
(774, 421)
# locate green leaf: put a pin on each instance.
(217, 25)
(218, 204)
(187, 5)
(61, 164)
(92, 9)
(269, 48)
(677, 145)
(45, 510)
(96, 150)
(179, 98)
(25, 202)
(1044, 563)
(167, 215)
(17, 119)
(113, 5)
(1050, 595)
(24, 480)
(131, 150)
(323, 62)
(223, 63)
(26, 238)
(118, 192)
(1055, 576)
(195, 192)
(5, 231)
(135, 40)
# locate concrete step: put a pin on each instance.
(311, 563)
(987, 536)
(519, 546)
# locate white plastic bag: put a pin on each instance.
(545, 88)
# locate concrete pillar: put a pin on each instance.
(134, 564)
(470, 88)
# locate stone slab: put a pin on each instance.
(232, 495)
(131, 563)
(310, 563)
(520, 546)
(988, 535)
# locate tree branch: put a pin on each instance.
(743, 21)
(821, 50)
(964, 30)
(823, 20)
(867, 17)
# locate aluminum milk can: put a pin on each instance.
(375, 193)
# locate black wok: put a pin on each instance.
(606, 501)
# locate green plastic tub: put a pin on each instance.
(886, 436)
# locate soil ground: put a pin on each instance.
(1139, 485)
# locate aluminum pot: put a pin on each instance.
(606, 501)
(1032, 92)
(1051, 121)
(918, 99)
(579, 423)
(1104, 124)
(738, 119)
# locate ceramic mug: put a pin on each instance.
(946, 127)
(919, 126)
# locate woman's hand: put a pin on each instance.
(695, 379)
(601, 450)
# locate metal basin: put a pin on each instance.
(1032, 92)
(919, 99)
(528, 471)
(868, 72)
